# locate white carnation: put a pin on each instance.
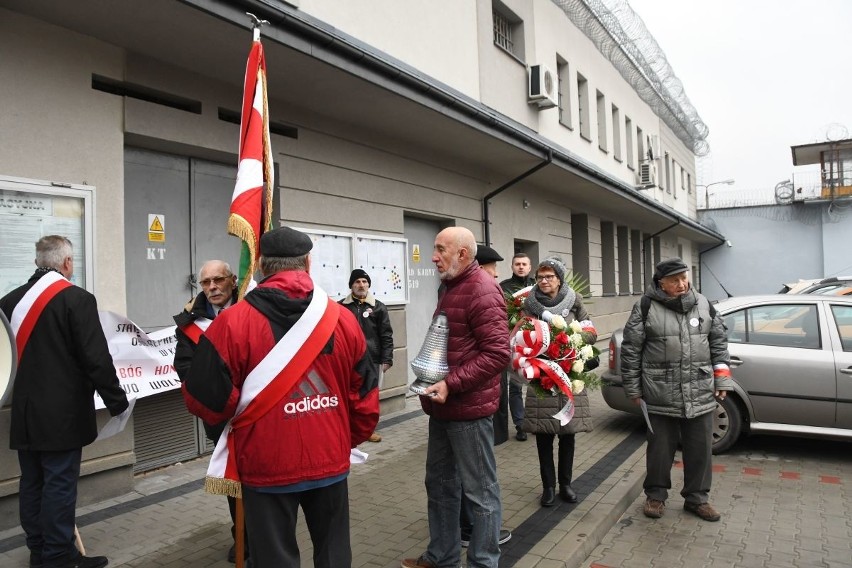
(575, 326)
(577, 386)
(587, 352)
(577, 340)
(558, 322)
(577, 366)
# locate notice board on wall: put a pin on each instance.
(335, 255)
(32, 209)
(331, 261)
(384, 259)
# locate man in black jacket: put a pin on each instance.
(372, 315)
(521, 268)
(218, 291)
(63, 358)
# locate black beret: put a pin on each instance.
(668, 267)
(285, 242)
(358, 273)
(485, 255)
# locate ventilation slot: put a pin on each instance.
(274, 127)
(124, 89)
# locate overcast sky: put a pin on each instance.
(763, 75)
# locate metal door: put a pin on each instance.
(423, 283)
(156, 262)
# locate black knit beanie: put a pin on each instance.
(358, 273)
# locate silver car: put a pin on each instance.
(791, 358)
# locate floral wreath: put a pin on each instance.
(551, 354)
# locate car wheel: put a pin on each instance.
(727, 425)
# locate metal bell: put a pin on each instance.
(430, 365)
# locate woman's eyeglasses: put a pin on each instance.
(544, 277)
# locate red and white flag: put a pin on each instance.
(251, 204)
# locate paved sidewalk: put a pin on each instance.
(168, 521)
(785, 503)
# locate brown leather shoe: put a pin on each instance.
(417, 563)
(704, 511)
(654, 508)
(375, 437)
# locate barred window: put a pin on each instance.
(508, 30)
(503, 32)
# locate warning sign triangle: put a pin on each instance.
(156, 225)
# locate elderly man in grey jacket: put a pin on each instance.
(674, 358)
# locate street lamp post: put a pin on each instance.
(707, 190)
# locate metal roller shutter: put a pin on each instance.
(164, 432)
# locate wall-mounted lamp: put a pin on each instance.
(526, 204)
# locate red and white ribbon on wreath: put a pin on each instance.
(528, 348)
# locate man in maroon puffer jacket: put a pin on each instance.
(460, 456)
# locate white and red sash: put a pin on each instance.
(196, 328)
(269, 382)
(29, 309)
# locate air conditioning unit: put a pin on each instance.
(647, 174)
(542, 87)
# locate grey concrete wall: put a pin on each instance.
(773, 245)
(54, 127)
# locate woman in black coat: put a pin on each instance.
(552, 294)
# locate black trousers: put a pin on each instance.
(48, 501)
(696, 438)
(516, 404)
(501, 417)
(271, 526)
(544, 445)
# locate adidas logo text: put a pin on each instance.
(311, 403)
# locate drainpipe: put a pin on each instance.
(645, 242)
(485, 212)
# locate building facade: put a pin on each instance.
(390, 120)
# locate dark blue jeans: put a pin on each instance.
(48, 501)
(460, 457)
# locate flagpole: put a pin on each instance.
(239, 520)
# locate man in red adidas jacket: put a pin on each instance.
(297, 454)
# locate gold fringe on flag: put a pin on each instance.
(268, 162)
(242, 229)
(220, 486)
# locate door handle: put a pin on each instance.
(736, 361)
(846, 371)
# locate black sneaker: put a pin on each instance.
(505, 536)
(521, 436)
